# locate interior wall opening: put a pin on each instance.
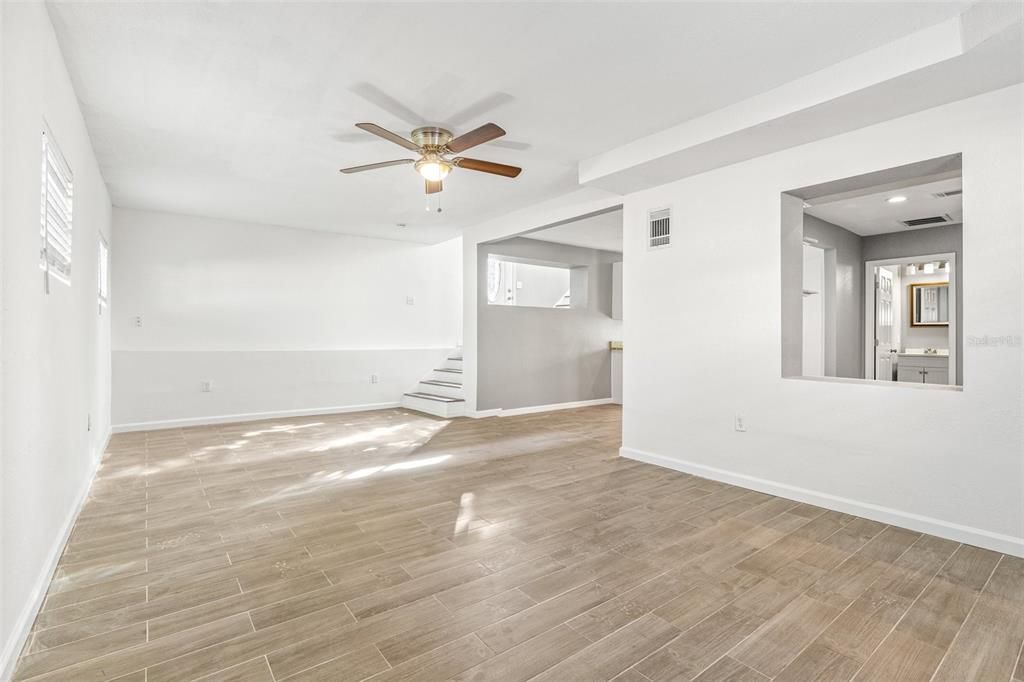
(872, 276)
(549, 315)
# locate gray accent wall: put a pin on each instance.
(545, 356)
(926, 241)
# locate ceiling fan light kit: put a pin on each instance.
(436, 147)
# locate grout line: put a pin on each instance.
(386, 661)
(841, 611)
(1017, 663)
(964, 621)
(924, 589)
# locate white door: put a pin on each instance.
(885, 348)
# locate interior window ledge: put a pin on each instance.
(874, 382)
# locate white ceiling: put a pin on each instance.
(244, 110)
(602, 231)
(873, 214)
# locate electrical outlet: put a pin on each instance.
(410, 300)
(373, 378)
(205, 386)
(138, 320)
(741, 424)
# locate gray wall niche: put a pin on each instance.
(544, 356)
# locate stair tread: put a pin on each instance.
(446, 369)
(439, 382)
(435, 397)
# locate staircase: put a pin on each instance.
(440, 394)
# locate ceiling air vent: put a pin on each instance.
(950, 193)
(659, 228)
(933, 220)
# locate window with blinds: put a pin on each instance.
(103, 269)
(55, 218)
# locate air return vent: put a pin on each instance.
(659, 228)
(950, 193)
(933, 220)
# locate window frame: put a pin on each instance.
(103, 273)
(55, 236)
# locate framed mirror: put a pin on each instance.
(929, 304)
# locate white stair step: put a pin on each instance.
(434, 396)
(437, 405)
(451, 389)
(440, 382)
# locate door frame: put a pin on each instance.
(869, 307)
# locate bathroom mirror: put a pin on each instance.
(929, 304)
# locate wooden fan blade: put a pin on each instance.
(388, 135)
(487, 167)
(382, 164)
(434, 186)
(484, 133)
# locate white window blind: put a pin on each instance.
(55, 213)
(104, 273)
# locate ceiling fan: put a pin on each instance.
(436, 147)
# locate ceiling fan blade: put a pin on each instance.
(387, 135)
(487, 167)
(484, 133)
(372, 166)
(433, 186)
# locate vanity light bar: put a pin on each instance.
(927, 268)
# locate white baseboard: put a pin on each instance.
(483, 414)
(534, 409)
(23, 625)
(998, 542)
(249, 417)
(515, 411)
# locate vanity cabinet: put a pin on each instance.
(923, 369)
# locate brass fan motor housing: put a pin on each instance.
(431, 137)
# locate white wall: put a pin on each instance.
(55, 348)
(944, 461)
(280, 320)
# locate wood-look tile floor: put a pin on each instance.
(393, 546)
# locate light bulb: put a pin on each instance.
(911, 269)
(929, 268)
(433, 168)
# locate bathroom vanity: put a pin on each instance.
(922, 367)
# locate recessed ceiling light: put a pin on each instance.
(898, 199)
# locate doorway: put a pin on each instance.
(910, 319)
